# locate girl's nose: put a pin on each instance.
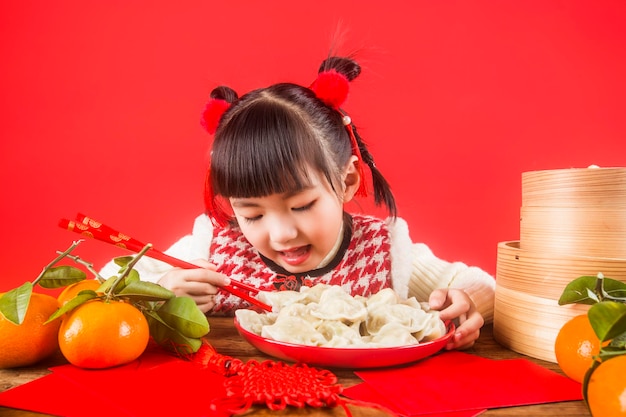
(282, 230)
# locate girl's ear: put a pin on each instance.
(351, 179)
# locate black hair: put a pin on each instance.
(268, 139)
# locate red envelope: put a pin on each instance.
(455, 381)
(365, 392)
(155, 384)
(52, 395)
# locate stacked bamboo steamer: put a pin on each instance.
(573, 223)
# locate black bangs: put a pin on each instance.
(267, 148)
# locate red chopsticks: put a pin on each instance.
(92, 228)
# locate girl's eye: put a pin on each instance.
(252, 219)
(305, 207)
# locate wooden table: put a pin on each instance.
(225, 339)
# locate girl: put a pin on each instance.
(285, 160)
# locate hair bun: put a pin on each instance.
(345, 66)
(224, 93)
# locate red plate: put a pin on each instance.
(355, 358)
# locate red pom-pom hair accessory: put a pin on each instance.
(332, 88)
(212, 114)
(210, 120)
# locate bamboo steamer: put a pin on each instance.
(573, 223)
(541, 274)
(528, 324)
(575, 187)
(575, 212)
(583, 231)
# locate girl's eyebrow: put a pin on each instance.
(247, 203)
(244, 203)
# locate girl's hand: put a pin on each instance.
(198, 284)
(455, 304)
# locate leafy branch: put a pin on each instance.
(607, 314)
(176, 323)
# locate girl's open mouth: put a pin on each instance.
(296, 256)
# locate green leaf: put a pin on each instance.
(14, 303)
(107, 284)
(615, 290)
(148, 291)
(123, 260)
(619, 342)
(608, 319)
(61, 276)
(583, 290)
(183, 314)
(170, 338)
(81, 298)
(579, 291)
(132, 276)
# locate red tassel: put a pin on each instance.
(212, 114)
(362, 190)
(331, 87)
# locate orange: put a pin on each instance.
(606, 392)
(32, 340)
(72, 290)
(103, 334)
(575, 346)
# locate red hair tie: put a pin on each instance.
(212, 114)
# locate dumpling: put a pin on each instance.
(252, 321)
(393, 334)
(312, 294)
(338, 334)
(279, 299)
(433, 328)
(291, 329)
(385, 296)
(336, 304)
(413, 319)
(300, 310)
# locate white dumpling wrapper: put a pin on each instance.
(339, 334)
(434, 328)
(279, 299)
(393, 334)
(291, 329)
(312, 294)
(336, 304)
(386, 296)
(413, 319)
(252, 321)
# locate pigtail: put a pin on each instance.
(382, 189)
(350, 69)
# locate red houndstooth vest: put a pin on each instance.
(362, 265)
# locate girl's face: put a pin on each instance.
(294, 230)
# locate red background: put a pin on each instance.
(100, 106)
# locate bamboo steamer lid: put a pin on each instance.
(575, 187)
(542, 274)
(528, 324)
(575, 212)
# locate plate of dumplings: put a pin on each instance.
(325, 326)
